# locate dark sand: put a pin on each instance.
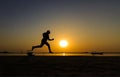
(59, 66)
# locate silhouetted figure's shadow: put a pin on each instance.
(44, 41)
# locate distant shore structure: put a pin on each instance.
(95, 53)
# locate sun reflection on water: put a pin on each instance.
(63, 54)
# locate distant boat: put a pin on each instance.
(4, 52)
(100, 53)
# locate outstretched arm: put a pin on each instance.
(51, 39)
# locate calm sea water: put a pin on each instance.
(60, 54)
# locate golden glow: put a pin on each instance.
(63, 54)
(63, 43)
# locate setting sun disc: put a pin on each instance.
(63, 43)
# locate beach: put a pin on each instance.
(59, 66)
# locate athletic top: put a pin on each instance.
(45, 36)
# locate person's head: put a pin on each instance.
(48, 31)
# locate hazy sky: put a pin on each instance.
(86, 24)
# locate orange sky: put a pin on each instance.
(87, 26)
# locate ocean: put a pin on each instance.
(62, 54)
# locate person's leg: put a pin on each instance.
(48, 47)
(38, 46)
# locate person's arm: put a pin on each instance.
(50, 39)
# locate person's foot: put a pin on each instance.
(50, 52)
(32, 48)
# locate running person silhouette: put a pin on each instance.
(44, 41)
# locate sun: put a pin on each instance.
(63, 43)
